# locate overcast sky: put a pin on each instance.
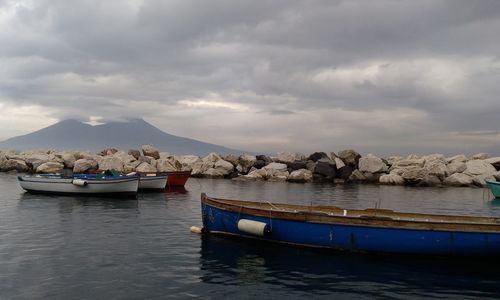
(388, 77)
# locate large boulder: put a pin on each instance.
(357, 176)
(479, 167)
(276, 166)
(111, 162)
(214, 173)
(212, 157)
(297, 165)
(50, 168)
(456, 166)
(494, 161)
(108, 151)
(83, 165)
(200, 167)
(301, 175)
(349, 157)
(481, 156)
(372, 164)
(325, 169)
(391, 179)
(149, 150)
(245, 163)
(224, 166)
(131, 166)
(410, 161)
(124, 157)
(187, 161)
(317, 156)
(458, 179)
(288, 157)
(436, 167)
(14, 165)
(233, 159)
(68, 159)
(135, 153)
(168, 165)
(270, 174)
(413, 175)
(459, 157)
(144, 167)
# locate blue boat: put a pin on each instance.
(494, 187)
(368, 230)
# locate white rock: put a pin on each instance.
(276, 166)
(68, 159)
(288, 157)
(391, 179)
(82, 165)
(149, 150)
(436, 167)
(225, 166)
(214, 173)
(168, 165)
(212, 157)
(301, 175)
(111, 162)
(50, 167)
(200, 167)
(245, 162)
(458, 179)
(124, 157)
(414, 174)
(435, 156)
(479, 167)
(481, 156)
(372, 164)
(391, 160)
(144, 167)
(460, 158)
(339, 162)
(187, 161)
(409, 162)
(456, 166)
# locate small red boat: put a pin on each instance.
(177, 178)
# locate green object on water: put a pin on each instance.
(494, 188)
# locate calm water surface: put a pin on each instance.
(92, 248)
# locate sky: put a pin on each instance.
(387, 77)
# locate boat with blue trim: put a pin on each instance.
(80, 184)
(367, 230)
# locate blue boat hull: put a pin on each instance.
(356, 238)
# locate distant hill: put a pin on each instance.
(75, 135)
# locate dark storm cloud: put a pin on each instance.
(330, 73)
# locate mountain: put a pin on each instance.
(75, 135)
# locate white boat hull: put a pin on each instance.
(152, 182)
(58, 185)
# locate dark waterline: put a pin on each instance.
(74, 247)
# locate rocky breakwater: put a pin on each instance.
(349, 166)
(147, 160)
(342, 167)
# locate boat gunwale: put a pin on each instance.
(370, 217)
(70, 179)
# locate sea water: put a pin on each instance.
(59, 247)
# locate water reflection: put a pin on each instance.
(239, 262)
(67, 203)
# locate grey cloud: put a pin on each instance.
(140, 59)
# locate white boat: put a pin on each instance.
(152, 182)
(80, 185)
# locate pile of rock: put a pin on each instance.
(51, 161)
(344, 166)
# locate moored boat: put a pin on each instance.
(177, 178)
(494, 187)
(80, 184)
(368, 230)
(152, 182)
